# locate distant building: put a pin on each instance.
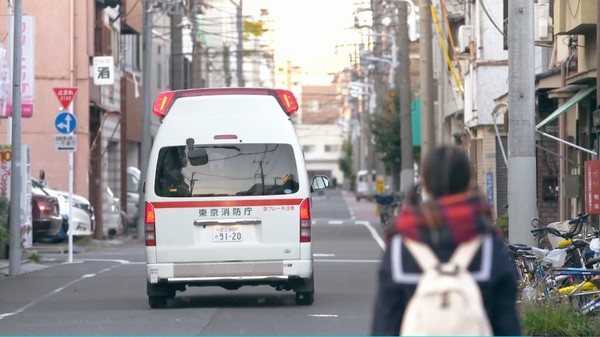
(319, 132)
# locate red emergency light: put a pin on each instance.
(165, 100)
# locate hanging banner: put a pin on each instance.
(4, 81)
(27, 66)
(592, 186)
(5, 160)
(26, 222)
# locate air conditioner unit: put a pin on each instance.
(465, 36)
(543, 29)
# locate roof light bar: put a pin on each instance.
(163, 103)
(165, 100)
(287, 100)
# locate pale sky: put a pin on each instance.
(307, 32)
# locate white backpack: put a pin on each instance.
(447, 301)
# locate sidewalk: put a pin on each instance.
(28, 264)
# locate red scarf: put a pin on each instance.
(450, 219)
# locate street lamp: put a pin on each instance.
(412, 19)
(360, 89)
(394, 46)
(370, 93)
(388, 61)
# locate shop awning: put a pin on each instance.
(583, 93)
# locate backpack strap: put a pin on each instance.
(422, 254)
(427, 260)
(465, 252)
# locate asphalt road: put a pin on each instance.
(103, 291)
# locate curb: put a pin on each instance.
(57, 248)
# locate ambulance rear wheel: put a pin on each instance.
(303, 298)
(157, 302)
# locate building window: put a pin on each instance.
(159, 76)
(115, 42)
(137, 56)
(332, 148)
(313, 105)
(168, 77)
(308, 148)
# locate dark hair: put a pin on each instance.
(446, 170)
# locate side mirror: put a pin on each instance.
(42, 175)
(319, 183)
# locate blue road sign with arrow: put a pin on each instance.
(65, 122)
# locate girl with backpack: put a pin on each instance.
(450, 216)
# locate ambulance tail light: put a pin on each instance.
(163, 103)
(305, 221)
(150, 226)
(287, 100)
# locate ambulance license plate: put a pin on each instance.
(227, 234)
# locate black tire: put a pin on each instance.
(157, 302)
(384, 217)
(305, 298)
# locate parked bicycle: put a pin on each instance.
(389, 205)
(565, 273)
(569, 238)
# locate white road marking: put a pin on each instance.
(54, 292)
(323, 315)
(323, 255)
(374, 233)
(367, 224)
(101, 260)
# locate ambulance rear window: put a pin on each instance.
(231, 170)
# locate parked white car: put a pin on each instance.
(363, 181)
(113, 218)
(133, 197)
(82, 218)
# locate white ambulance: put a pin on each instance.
(227, 194)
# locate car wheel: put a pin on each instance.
(157, 302)
(305, 298)
(60, 236)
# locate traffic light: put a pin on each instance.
(109, 3)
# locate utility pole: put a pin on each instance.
(407, 174)
(146, 110)
(16, 164)
(196, 77)
(374, 163)
(240, 45)
(179, 78)
(426, 78)
(522, 206)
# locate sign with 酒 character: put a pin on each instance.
(103, 70)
